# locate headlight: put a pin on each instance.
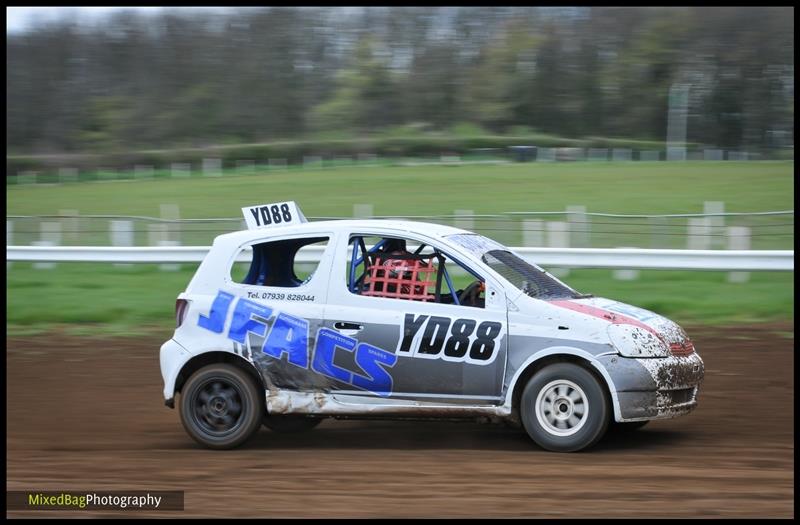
(632, 341)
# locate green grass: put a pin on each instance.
(104, 299)
(629, 188)
(101, 298)
(626, 187)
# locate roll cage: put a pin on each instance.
(375, 279)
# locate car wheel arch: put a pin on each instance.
(543, 358)
(218, 356)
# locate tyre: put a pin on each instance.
(564, 408)
(290, 424)
(221, 406)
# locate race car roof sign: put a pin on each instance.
(273, 215)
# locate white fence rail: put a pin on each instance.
(721, 260)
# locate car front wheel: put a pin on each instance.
(221, 406)
(564, 408)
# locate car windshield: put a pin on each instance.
(531, 279)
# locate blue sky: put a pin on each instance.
(20, 18)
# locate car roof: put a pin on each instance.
(387, 225)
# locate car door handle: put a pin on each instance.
(342, 325)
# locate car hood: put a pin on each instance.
(617, 313)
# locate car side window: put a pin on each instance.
(286, 263)
(398, 268)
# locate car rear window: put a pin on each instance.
(287, 263)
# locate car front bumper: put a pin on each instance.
(655, 388)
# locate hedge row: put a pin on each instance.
(295, 151)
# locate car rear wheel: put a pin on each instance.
(221, 406)
(290, 424)
(564, 408)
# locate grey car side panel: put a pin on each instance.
(435, 376)
(626, 374)
(442, 377)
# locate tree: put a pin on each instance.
(361, 98)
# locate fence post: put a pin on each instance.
(212, 167)
(9, 238)
(171, 232)
(579, 225)
(121, 235)
(698, 237)
(621, 154)
(650, 155)
(625, 274)
(312, 161)
(738, 239)
(169, 267)
(465, 223)
(71, 225)
(712, 154)
(545, 155)
(169, 212)
(597, 154)
(51, 236)
(558, 237)
(737, 155)
(180, 170)
(532, 233)
(716, 222)
(158, 235)
(362, 211)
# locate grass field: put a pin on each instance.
(615, 187)
(139, 298)
(106, 298)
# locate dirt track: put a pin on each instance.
(87, 414)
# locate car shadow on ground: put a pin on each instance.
(422, 435)
(642, 439)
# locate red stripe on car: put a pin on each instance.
(611, 317)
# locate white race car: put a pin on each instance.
(290, 322)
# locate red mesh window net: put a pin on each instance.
(400, 278)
